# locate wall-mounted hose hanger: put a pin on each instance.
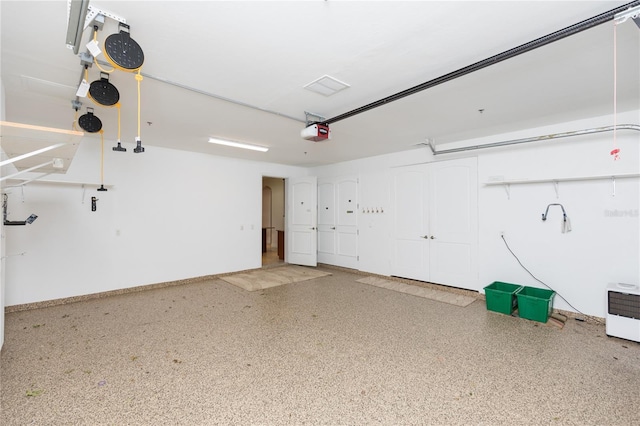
(30, 219)
(125, 54)
(89, 122)
(103, 92)
(122, 51)
(566, 223)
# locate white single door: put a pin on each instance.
(453, 208)
(410, 241)
(326, 221)
(347, 222)
(301, 246)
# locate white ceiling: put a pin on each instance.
(263, 53)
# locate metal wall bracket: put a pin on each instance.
(632, 12)
(93, 12)
(85, 60)
(311, 118)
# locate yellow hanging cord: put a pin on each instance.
(139, 79)
(75, 122)
(118, 106)
(95, 38)
(615, 151)
(101, 157)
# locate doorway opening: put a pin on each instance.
(273, 220)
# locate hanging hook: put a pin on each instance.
(566, 224)
(546, 213)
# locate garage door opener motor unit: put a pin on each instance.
(623, 311)
(316, 132)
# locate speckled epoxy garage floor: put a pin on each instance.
(325, 351)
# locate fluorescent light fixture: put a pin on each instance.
(238, 144)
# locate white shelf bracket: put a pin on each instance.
(507, 189)
(613, 185)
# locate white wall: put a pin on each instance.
(602, 247)
(170, 215)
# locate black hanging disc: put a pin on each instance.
(104, 92)
(122, 51)
(90, 122)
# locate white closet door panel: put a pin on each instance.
(454, 223)
(302, 207)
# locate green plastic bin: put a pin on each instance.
(535, 303)
(501, 297)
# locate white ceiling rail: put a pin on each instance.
(30, 169)
(31, 154)
(211, 95)
(635, 127)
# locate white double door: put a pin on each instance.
(322, 221)
(435, 222)
(337, 221)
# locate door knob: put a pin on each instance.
(333, 227)
(426, 237)
(433, 238)
(313, 229)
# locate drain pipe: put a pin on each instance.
(523, 48)
(635, 127)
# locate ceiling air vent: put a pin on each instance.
(326, 85)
